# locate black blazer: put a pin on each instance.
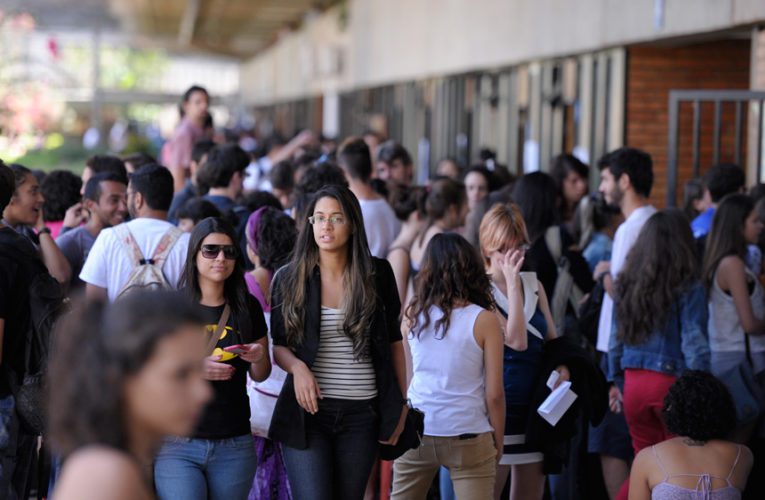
(587, 381)
(288, 420)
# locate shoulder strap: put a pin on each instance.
(215, 337)
(735, 463)
(165, 245)
(530, 301)
(131, 246)
(661, 464)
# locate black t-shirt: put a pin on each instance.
(19, 264)
(228, 414)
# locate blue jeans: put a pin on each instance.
(445, 486)
(201, 469)
(342, 447)
(18, 453)
(9, 433)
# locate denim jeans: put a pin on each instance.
(215, 469)
(9, 432)
(445, 486)
(342, 447)
(18, 453)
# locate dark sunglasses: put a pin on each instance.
(212, 251)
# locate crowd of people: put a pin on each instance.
(302, 322)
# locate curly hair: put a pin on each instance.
(272, 235)
(699, 406)
(451, 272)
(659, 267)
(96, 350)
(61, 189)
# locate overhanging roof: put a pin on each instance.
(237, 28)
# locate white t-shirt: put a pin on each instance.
(626, 235)
(381, 225)
(109, 264)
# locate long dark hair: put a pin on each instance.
(96, 349)
(537, 197)
(727, 234)
(235, 288)
(451, 271)
(360, 299)
(659, 267)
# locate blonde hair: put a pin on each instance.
(502, 224)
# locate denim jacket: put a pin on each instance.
(681, 344)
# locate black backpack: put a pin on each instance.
(47, 303)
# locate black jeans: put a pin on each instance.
(342, 448)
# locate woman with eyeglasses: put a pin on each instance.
(218, 461)
(336, 332)
(524, 313)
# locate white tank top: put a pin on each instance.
(725, 331)
(448, 381)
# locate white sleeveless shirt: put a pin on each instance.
(449, 380)
(725, 331)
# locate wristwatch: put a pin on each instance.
(45, 230)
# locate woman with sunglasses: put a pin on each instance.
(218, 461)
(336, 332)
(524, 312)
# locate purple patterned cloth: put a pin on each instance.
(270, 481)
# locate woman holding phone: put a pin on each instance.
(218, 461)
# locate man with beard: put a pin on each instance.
(625, 182)
(110, 263)
(106, 204)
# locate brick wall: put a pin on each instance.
(652, 72)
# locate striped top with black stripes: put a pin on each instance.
(339, 375)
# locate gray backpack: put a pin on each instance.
(566, 290)
(147, 273)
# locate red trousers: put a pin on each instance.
(644, 392)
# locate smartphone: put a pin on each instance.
(236, 349)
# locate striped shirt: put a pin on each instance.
(340, 376)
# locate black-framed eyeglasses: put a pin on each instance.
(212, 251)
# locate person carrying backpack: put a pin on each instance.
(145, 253)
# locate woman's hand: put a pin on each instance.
(216, 371)
(615, 399)
(393, 440)
(511, 263)
(255, 353)
(307, 390)
(564, 375)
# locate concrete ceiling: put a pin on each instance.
(238, 28)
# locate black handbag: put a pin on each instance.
(410, 438)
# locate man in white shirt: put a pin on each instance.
(109, 264)
(626, 181)
(380, 222)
